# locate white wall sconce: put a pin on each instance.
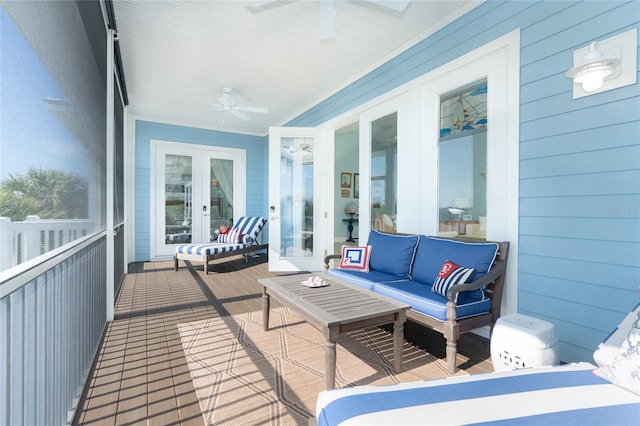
(605, 65)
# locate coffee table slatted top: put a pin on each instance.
(334, 304)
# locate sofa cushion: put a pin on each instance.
(426, 302)
(364, 280)
(432, 253)
(451, 274)
(392, 254)
(355, 258)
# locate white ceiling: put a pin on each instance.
(178, 55)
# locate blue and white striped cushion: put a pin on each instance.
(208, 249)
(566, 394)
(234, 236)
(450, 275)
(251, 227)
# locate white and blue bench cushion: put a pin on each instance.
(567, 394)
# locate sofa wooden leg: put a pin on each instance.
(451, 331)
(452, 351)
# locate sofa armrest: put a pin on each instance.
(496, 272)
(328, 258)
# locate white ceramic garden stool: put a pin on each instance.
(521, 341)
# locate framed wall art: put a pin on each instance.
(345, 180)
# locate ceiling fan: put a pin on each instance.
(227, 103)
(328, 12)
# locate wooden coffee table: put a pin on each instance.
(334, 310)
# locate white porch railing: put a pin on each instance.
(22, 241)
(52, 317)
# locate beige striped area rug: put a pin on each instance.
(244, 375)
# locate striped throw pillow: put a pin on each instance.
(234, 236)
(450, 275)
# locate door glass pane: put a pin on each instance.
(221, 194)
(384, 160)
(296, 197)
(178, 199)
(462, 181)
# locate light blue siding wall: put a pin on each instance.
(579, 182)
(579, 254)
(257, 183)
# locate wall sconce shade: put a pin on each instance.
(594, 69)
(605, 65)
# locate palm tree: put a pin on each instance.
(48, 193)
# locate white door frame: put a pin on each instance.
(201, 155)
(323, 144)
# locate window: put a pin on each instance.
(384, 163)
(52, 128)
(296, 196)
(462, 163)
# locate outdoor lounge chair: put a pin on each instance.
(249, 228)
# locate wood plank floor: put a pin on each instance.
(141, 374)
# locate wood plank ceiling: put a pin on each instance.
(178, 55)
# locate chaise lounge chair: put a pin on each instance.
(248, 229)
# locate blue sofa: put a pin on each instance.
(406, 267)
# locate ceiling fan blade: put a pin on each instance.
(258, 110)
(242, 116)
(397, 5)
(327, 20)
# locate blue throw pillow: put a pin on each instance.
(392, 254)
(432, 253)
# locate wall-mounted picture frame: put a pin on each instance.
(345, 180)
(345, 193)
(356, 185)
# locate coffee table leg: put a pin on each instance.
(331, 336)
(398, 339)
(265, 309)
(330, 364)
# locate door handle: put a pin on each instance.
(272, 216)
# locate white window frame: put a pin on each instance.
(498, 62)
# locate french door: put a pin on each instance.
(297, 198)
(195, 191)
